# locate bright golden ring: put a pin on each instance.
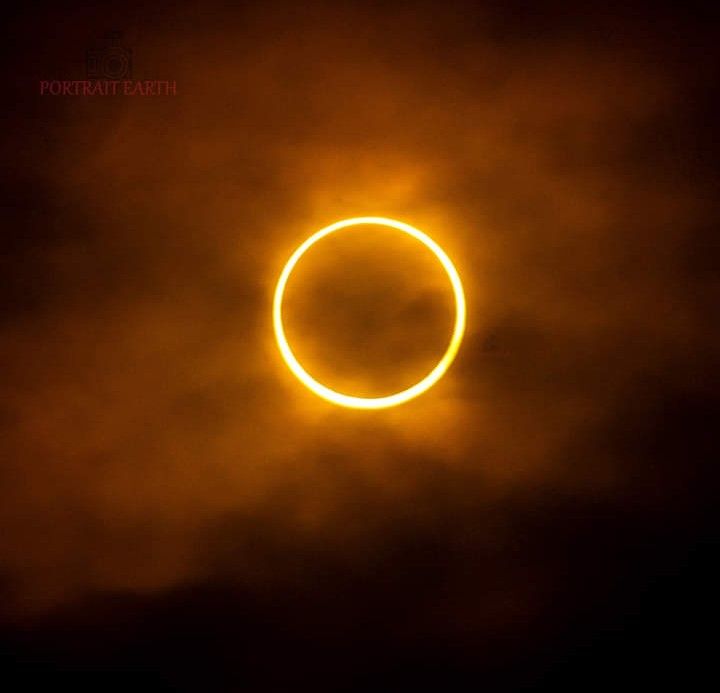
(370, 402)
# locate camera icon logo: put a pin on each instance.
(110, 60)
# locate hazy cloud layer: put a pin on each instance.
(153, 438)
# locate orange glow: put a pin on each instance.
(403, 396)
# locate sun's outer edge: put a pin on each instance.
(388, 400)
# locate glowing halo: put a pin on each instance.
(370, 402)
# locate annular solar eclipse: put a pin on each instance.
(349, 400)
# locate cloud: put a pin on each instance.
(154, 438)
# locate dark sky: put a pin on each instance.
(178, 513)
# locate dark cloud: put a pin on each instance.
(177, 507)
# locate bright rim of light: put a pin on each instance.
(370, 402)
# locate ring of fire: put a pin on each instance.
(370, 402)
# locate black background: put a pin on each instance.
(588, 563)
